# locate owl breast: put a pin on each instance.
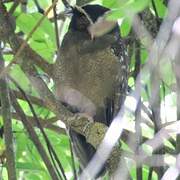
(80, 79)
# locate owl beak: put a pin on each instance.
(68, 12)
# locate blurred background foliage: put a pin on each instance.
(28, 162)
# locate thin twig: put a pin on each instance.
(56, 27)
(23, 45)
(138, 129)
(7, 122)
(14, 6)
(34, 138)
(51, 150)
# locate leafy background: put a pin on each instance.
(28, 162)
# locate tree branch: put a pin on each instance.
(34, 100)
(34, 138)
(6, 114)
(7, 22)
(45, 123)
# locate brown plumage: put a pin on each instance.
(88, 74)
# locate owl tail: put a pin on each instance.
(83, 150)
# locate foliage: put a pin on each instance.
(29, 164)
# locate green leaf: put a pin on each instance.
(146, 174)
(8, 57)
(26, 22)
(44, 49)
(22, 80)
(144, 55)
(167, 74)
(43, 38)
(131, 81)
(1, 121)
(139, 5)
(116, 14)
(43, 33)
(46, 26)
(126, 27)
(113, 3)
(28, 166)
(128, 9)
(161, 8)
(2, 146)
(34, 176)
(125, 147)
